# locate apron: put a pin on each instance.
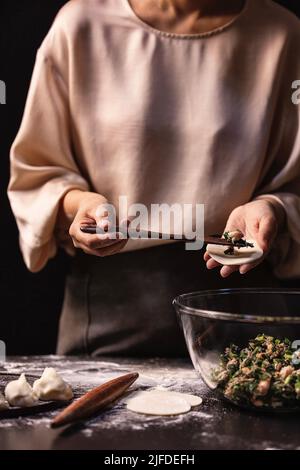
(121, 305)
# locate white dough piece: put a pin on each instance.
(242, 255)
(20, 393)
(3, 403)
(162, 402)
(154, 404)
(52, 387)
(193, 400)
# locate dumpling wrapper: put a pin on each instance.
(52, 387)
(4, 405)
(20, 393)
(193, 400)
(242, 255)
(162, 402)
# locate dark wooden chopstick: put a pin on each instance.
(146, 234)
(94, 401)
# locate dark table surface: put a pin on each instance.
(212, 425)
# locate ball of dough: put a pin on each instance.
(3, 403)
(52, 387)
(20, 393)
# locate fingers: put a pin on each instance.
(94, 210)
(235, 220)
(112, 250)
(245, 268)
(93, 242)
(226, 271)
(256, 220)
(105, 251)
(266, 232)
(211, 264)
(104, 224)
(100, 244)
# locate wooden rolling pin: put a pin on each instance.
(94, 401)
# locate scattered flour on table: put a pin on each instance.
(84, 375)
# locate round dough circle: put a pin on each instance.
(243, 255)
(193, 400)
(158, 403)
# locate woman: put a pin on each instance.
(161, 101)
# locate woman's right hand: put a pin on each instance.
(89, 208)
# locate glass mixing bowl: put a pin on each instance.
(213, 320)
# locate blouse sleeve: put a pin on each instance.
(43, 167)
(282, 183)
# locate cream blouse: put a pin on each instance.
(120, 108)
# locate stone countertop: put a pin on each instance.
(212, 425)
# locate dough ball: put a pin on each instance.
(52, 387)
(241, 255)
(3, 403)
(20, 393)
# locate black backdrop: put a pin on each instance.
(29, 303)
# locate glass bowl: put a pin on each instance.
(213, 320)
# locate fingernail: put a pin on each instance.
(243, 270)
(224, 273)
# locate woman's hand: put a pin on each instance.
(258, 220)
(89, 208)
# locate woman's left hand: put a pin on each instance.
(258, 220)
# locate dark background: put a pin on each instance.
(29, 303)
